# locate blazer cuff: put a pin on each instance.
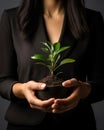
(96, 93)
(6, 87)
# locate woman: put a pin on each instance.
(22, 30)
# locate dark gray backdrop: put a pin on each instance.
(98, 107)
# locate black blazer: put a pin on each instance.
(17, 66)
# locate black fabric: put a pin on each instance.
(55, 122)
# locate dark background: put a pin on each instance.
(97, 107)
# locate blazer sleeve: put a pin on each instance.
(8, 60)
(95, 63)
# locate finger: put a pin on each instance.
(65, 108)
(74, 95)
(44, 109)
(42, 105)
(37, 102)
(70, 83)
(36, 85)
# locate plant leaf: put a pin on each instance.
(42, 63)
(58, 73)
(47, 44)
(39, 57)
(52, 60)
(46, 50)
(56, 46)
(62, 49)
(67, 60)
(57, 59)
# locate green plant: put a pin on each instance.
(52, 60)
(53, 57)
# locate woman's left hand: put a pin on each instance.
(81, 91)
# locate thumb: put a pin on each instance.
(36, 85)
(42, 86)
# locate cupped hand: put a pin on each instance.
(81, 91)
(27, 91)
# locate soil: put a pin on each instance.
(54, 89)
(52, 81)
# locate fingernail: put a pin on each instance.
(63, 84)
(43, 85)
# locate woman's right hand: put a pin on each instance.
(27, 91)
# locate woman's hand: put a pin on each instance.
(81, 91)
(27, 91)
